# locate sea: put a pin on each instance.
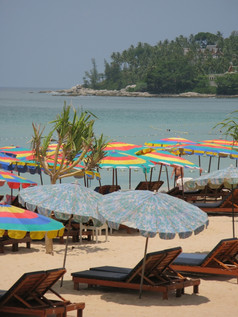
(126, 119)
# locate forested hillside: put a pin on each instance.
(172, 67)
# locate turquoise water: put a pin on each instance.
(126, 119)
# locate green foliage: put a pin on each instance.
(75, 140)
(227, 84)
(202, 86)
(230, 126)
(168, 67)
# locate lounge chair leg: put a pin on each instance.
(79, 313)
(195, 289)
(179, 292)
(14, 247)
(28, 245)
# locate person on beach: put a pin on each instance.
(177, 172)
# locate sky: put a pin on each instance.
(51, 43)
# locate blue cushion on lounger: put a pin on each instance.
(102, 275)
(190, 259)
(215, 204)
(114, 269)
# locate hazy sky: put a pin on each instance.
(50, 43)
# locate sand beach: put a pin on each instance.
(217, 295)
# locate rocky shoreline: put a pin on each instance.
(81, 91)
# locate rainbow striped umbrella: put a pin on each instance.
(17, 222)
(14, 181)
(16, 151)
(206, 149)
(120, 146)
(168, 141)
(118, 159)
(22, 164)
(164, 158)
(210, 150)
(230, 144)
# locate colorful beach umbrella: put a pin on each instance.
(205, 149)
(17, 222)
(168, 142)
(15, 181)
(227, 176)
(166, 158)
(153, 213)
(20, 164)
(118, 159)
(120, 146)
(221, 142)
(16, 151)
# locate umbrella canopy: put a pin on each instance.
(65, 200)
(207, 149)
(118, 159)
(152, 213)
(21, 164)
(14, 181)
(222, 142)
(16, 151)
(227, 176)
(168, 141)
(120, 146)
(17, 222)
(166, 158)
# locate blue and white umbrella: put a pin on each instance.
(152, 213)
(227, 176)
(65, 200)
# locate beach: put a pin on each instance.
(217, 294)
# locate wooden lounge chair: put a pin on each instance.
(107, 189)
(222, 206)
(149, 185)
(159, 276)
(28, 296)
(223, 259)
(14, 242)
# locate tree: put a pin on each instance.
(92, 78)
(75, 143)
(227, 84)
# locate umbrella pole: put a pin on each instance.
(218, 165)
(113, 176)
(41, 179)
(146, 181)
(100, 184)
(160, 171)
(209, 166)
(66, 248)
(143, 267)
(151, 173)
(233, 212)
(167, 176)
(199, 164)
(129, 178)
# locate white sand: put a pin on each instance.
(217, 295)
